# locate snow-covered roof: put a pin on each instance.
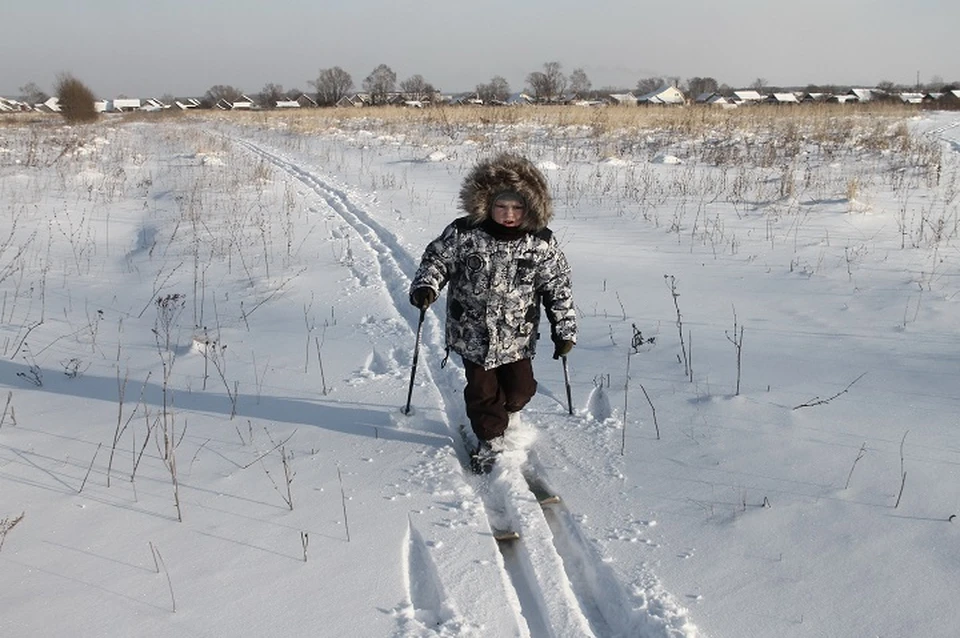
(713, 99)
(243, 103)
(624, 98)
(747, 96)
(122, 103)
(587, 103)
(520, 98)
(783, 98)
(287, 104)
(52, 104)
(664, 95)
(864, 95)
(8, 104)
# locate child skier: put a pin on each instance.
(501, 263)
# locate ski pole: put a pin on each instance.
(566, 380)
(416, 355)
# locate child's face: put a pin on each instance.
(508, 212)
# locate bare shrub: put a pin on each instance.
(76, 100)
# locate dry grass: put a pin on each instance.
(760, 135)
(690, 120)
(15, 120)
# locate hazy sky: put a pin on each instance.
(183, 47)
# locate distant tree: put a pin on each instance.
(33, 94)
(936, 83)
(887, 91)
(580, 83)
(549, 84)
(759, 85)
(496, 90)
(381, 82)
(292, 94)
(76, 100)
(222, 92)
(611, 90)
(416, 88)
(270, 94)
(649, 85)
(698, 86)
(331, 85)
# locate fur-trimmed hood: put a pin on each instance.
(507, 172)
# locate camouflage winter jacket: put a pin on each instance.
(497, 282)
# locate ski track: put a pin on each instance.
(424, 587)
(563, 586)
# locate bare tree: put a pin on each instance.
(33, 94)
(698, 86)
(270, 94)
(219, 92)
(759, 85)
(649, 85)
(332, 85)
(76, 100)
(416, 88)
(579, 82)
(496, 90)
(380, 84)
(550, 84)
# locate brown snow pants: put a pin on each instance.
(491, 394)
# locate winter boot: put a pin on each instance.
(484, 457)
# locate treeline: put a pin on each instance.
(547, 84)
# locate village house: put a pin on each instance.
(747, 97)
(623, 99)
(950, 99)
(782, 98)
(861, 95)
(712, 98)
(123, 105)
(665, 95)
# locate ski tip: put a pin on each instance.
(505, 536)
(550, 500)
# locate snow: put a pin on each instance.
(239, 292)
(667, 159)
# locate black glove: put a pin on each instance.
(561, 348)
(423, 297)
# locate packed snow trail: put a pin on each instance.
(560, 585)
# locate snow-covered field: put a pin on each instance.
(207, 344)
